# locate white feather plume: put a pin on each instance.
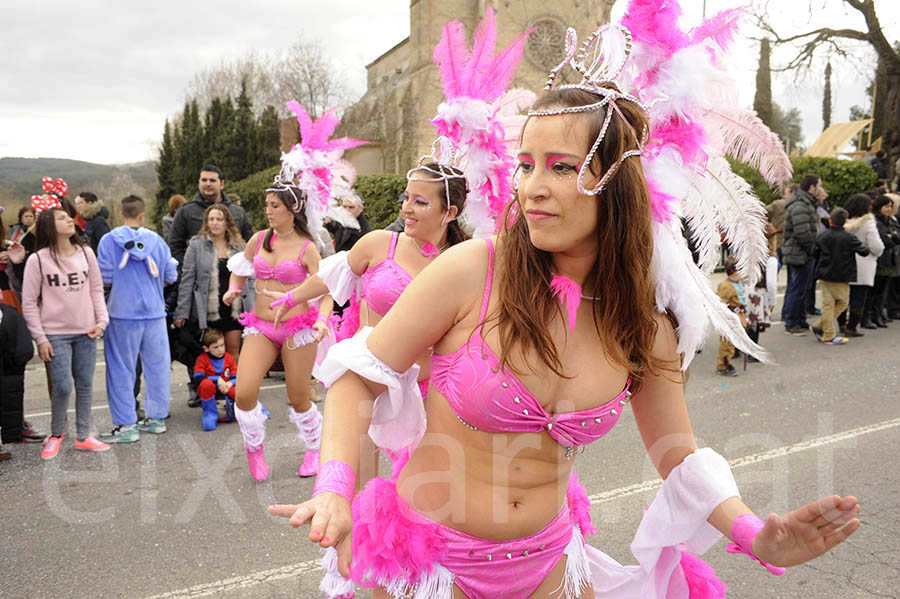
(741, 134)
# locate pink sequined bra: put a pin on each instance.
(289, 272)
(488, 398)
(383, 283)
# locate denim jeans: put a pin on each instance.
(794, 310)
(72, 355)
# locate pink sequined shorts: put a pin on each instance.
(396, 548)
(297, 328)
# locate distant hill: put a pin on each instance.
(21, 177)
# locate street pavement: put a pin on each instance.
(178, 516)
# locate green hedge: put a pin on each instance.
(842, 178)
(380, 192)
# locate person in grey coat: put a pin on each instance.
(800, 229)
(204, 279)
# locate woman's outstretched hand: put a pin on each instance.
(807, 532)
(331, 524)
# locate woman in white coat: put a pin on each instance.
(862, 224)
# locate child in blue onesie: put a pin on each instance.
(138, 264)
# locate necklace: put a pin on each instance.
(428, 249)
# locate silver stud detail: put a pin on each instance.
(621, 402)
(598, 420)
(489, 558)
(525, 411)
(613, 412)
(509, 556)
(504, 384)
(517, 400)
(543, 547)
(525, 553)
(583, 423)
(549, 426)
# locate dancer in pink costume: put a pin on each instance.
(280, 258)
(480, 508)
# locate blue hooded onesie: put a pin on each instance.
(138, 264)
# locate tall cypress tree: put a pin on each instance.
(762, 102)
(240, 154)
(268, 139)
(212, 123)
(826, 100)
(192, 143)
(165, 173)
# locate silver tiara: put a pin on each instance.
(444, 154)
(284, 182)
(600, 61)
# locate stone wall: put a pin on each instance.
(404, 85)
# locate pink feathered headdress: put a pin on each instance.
(479, 115)
(312, 164)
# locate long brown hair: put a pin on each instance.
(45, 234)
(232, 235)
(300, 224)
(625, 308)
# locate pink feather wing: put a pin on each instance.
(306, 126)
(745, 137)
(503, 69)
(450, 55)
(721, 27)
(484, 44)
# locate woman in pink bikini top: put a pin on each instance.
(520, 384)
(280, 258)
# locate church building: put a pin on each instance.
(404, 90)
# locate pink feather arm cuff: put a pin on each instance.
(743, 531)
(336, 477)
(287, 300)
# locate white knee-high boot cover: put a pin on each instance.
(309, 425)
(253, 426)
(309, 429)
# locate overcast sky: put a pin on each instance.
(95, 80)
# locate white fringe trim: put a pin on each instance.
(253, 426)
(309, 425)
(578, 568)
(334, 585)
(438, 584)
(301, 338)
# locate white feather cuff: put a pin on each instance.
(239, 265)
(340, 279)
(398, 414)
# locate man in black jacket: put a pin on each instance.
(188, 222)
(189, 218)
(835, 255)
(96, 217)
(800, 228)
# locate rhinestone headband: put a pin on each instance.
(600, 61)
(442, 153)
(280, 185)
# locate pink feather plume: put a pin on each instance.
(569, 293)
(701, 579)
(655, 23)
(579, 505)
(745, 137)
(721, 27)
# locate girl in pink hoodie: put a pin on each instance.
(62, 301)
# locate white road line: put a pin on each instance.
(106, 407)
(311, 566)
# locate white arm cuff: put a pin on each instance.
(340, 279)
(239, 265)
(679, 512)
(398, 414)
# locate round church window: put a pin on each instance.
(546, 46)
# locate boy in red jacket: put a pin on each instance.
(215, 375)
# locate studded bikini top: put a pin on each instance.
(289, 272)
(488, 398)
(383, 283)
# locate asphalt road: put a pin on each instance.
(178, 516)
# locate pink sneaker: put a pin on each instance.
(91, 444)
(259, 470)
(310, 465)
(51, 447)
